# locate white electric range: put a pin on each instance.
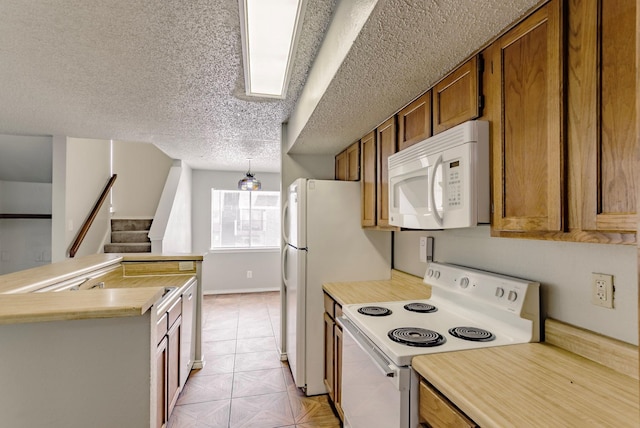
(468, 309)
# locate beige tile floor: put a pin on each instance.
(244, 384)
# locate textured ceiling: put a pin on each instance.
(166, 72)
(403, 49)
(170, 73)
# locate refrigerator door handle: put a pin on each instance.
(284, 264)
(285, 221)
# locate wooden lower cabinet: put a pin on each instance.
(173, 364)
(333, 352)
(161, 376)
(168, 358)
(337, 364)
(437, 412)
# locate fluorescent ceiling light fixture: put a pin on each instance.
(269, 30)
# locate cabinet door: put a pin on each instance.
(329, 355)
(187, 336)
(457, 97)
(353, 162)
(161, 383)
(341, 166)
(368, 179)
(528, 150)
(414, 122)
(338, 370)
(386, 136)
(173, 364)
(604, 115)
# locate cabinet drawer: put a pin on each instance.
(338, 311)
(161, 327)
(174, 311)
(438, 412)
(329, 305)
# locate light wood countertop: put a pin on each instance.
(532, 385)
(121, 296)
(73, 305)
(401, 286)
(29, 280)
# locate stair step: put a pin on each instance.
(128, 248)
(118, 225)
(130, 236)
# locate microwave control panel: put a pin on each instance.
(453, 180)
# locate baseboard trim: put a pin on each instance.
(238, 291)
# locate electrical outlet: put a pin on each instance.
(602, 290)
(249, 274)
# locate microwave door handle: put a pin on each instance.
(432, 189)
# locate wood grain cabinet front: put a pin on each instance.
(386, 145)
(602, 114)
(438, 412)
(333, 352)
(348, 163)
(458, 97)
(528, 155)
(368, 179)
(414, 121)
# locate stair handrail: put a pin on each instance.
(92, 215)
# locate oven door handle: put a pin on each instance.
(368, 347)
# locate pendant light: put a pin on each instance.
(249, 182)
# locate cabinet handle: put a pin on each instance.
(190, 296)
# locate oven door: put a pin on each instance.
(375, 392)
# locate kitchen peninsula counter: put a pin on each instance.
(533, 385)
(401, 286)
(121, 296)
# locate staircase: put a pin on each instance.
(129, 236)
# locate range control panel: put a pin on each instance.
(508, 293)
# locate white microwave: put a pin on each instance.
(442, 182)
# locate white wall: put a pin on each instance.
(87, 173)
(563, 269)
(142, 170)
(225, 271)
(171, 230)
(24, 243)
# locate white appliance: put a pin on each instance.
(379, 388)
(324, 243)
(443, 181)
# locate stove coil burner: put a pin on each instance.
(472, 333)
(424, 308)
(415, 336)
(374, 311)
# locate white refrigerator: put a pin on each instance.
(324, 242)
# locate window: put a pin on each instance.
(241, 219)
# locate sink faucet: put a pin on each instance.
(97, 285)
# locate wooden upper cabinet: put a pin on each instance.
(348, 163)
(414, 122)
(457, 98)
(602, 113)
(353, 162)
(341, 166)
(368, 179)
(528, 150)
(387, 138)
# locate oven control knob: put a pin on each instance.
(464, 282)
(513, 296)
(430, 272)
(437, 274)
(499, 292)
